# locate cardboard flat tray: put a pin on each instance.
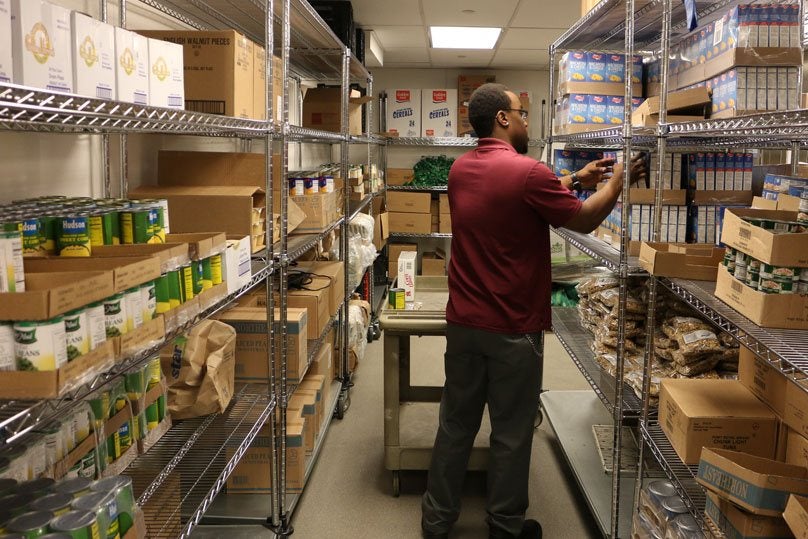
(50, 294)
(683, 261)
(127, 272)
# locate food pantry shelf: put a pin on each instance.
(599, 250)
(443, 142)
(254, 508)
(407, 235)
(373, 139)
(783, 348)
(18, 417)
(425, 189)
(306, 134)
(32, 109)
(313, 349)
(577, 342)
(357, 207)
(789, 125)
(298, 244)
(179, 477)
(642, 137)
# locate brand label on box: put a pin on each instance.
(404, 112)
(406, 274)
(41, 40)
(132, 66)
(93, 57)
(438, 113)
(166, 85)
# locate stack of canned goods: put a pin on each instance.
(138, 382)
(73, 226)
(765, 277)
(310, 183)
(78, 508)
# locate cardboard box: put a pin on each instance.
(766, 382)
(6, 60)
(432, 264)
(201, 245)
(403, 202)
(218, 70)
(49, 294)
(381, 223)
(253, 473)
(787, 311)
(237, 263)
(438, 113)
(198, 209)
(321, 210)
(715, 413)
(738, 523)
(796, 407)
(127, 272)
(41, 41)
(260, 85)
(758, 485)
(789, 249)
(445, 223)
(148, 335)
(398, 176)
(335, 273)
(166, 78)
(403, 116)
(170, 255)
(52, 384)
(315, 382)
(443, 203)
(464, 127)
(307, 402)
(796, 449)
(93, 48)
(683, 261)
(216, 169)
(407, 261)
(410, 223)
(597, 88)
(466, 84)
(322, 110)
(131, 67)
(692, 104)
(720, 198)
(393, 251)
(323, 363)
(250, 324)
(315, 301)
(796, 515)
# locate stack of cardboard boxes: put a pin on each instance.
(409, 213)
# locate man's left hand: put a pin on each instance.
(594, 173)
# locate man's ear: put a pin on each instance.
(501, 119)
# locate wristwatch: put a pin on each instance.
(576, 183)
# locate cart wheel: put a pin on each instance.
(370, 334)
(340, 411)
(396, 483)
(377, 331)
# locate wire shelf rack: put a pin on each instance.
(298, 244)
(313, 347)
(19, 417)
(444, 142)
(178, 479)
(32, 109)
(357, 207)
(423, 189)
(599, 250)
(577, 342)
(372, 139)
(306, 134)
(407, 235)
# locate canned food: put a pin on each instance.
(753, 278)
(57, 503)
(780, 227)
(7, 361)
(30, 236)
(36, 453)
(74, 487)
(101, 231)
(77, 334)
(103, 505)
(133, 299)
(216, 269)
(753, 264)
(12, 278)
(781, 272)
(40, 346)
(81, 421)
(78, 524)
(776, 285)
(55, 447)
(96, 324)
(396, 298)
(158, 233)
(175, 295)
(297, 187)
(7, 484)
(207, 277)
(187, 282)
(17, 504)
(121, 486)
(161, 295)
(115, 316)
(88, 468)
(322, 183)
(198, 275)
(32, 524)
(311, 186)
(39, 487)
(740, 267)
(73, 238)
(49, 232)
(135, 226)
(154, 371)
(148, 300)
(56, 535)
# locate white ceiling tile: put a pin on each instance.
(520, 58)
(395, 37)
(369, 13)
(460, 58)
(410, 55)
(486, 13)
(547, 14)
(529, 38)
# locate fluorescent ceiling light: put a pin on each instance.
(463, 37)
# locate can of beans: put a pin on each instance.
(32, 524)
(40, 346)
(77, 334)
(78, 524)
(115, 317)
(105, 509)
(121, 487)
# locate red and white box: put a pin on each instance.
(438, 113)
(404, 112)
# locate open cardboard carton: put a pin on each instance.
(171, 255)
(796, 515)
(127, 457)
(52, 384)
(50, 294)
(322, 109)
(127, 272)
(784, 202)
(640, 195)
(151, 333)
(722, 198)
(139, 406)
(789, 249)
(598, 88)
(758, 485)
(683, 106)
(201, 245)
(680, 260)
(736, 522)
(786, 311)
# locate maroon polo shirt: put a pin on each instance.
(501, 204)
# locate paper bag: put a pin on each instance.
(200, 369)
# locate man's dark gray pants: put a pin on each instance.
(505, 372)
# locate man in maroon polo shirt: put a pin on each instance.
(502, 204)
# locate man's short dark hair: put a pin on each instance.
(484, 104)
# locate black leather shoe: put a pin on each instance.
(531, 529)
(430, 535)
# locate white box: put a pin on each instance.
(6, 59)
(166, 79)
(404, 112)
(237, 270)
(93, 46)
(406, 273)
(41, 43)
(132, 67)
(438, 113)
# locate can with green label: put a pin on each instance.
(40, 346)
(115, 318)
(148, 298)
(157, 223)
(31, 244)
(49, 232)
(57, 503)
(101, 227)
(135, 226)
(77, 334)
(121, 487)
(105, 508)
(11, 261)
(216, 269)
(197, 274)
(73, 238)
(207, 274)
(78, 524)
(161, 295)
(17, 504)
(782, 272)
(75, 488)
(175, 296)
(32, 524)
(187, 282)
(133, 299)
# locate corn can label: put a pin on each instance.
(162, 297)
(40, 346)
(31, 243)
(156, 223)
(187, 282)
(207, 274)
(49, 232)
(134, 308)
(197, 273)
(216, 269)
(74, 236)
(175, 295)
(135, 227)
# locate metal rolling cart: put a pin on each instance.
(405, 405)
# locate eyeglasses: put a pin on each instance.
(522, 112)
